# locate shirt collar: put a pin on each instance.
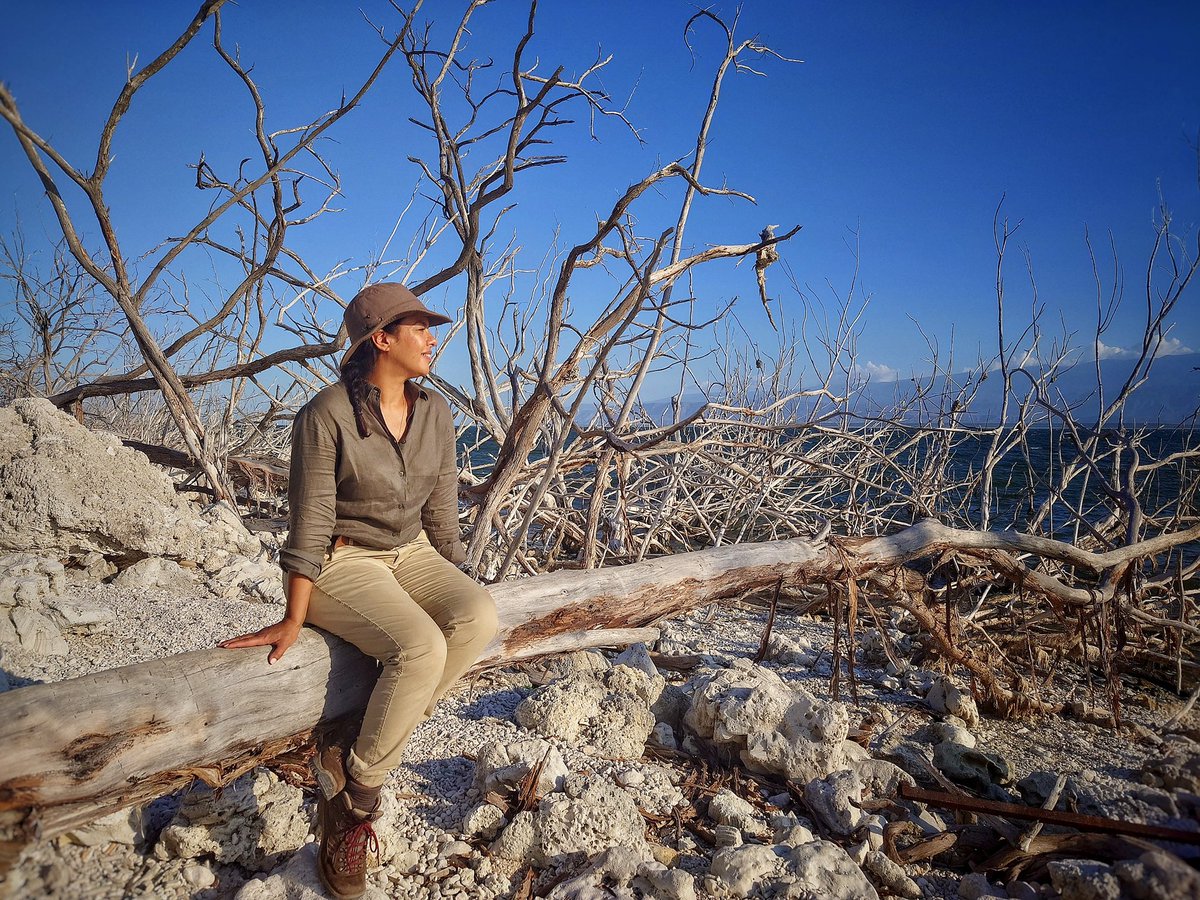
(373, 391)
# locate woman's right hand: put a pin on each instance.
(279, 636)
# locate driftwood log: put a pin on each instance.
(78, 749)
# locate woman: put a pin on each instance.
(372, 555)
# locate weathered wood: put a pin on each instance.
(76, 749)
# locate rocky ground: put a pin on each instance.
(620, 744)
(679, 770)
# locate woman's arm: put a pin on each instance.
(282, 634)
(311, 504)
(439, 515)
(312, 492)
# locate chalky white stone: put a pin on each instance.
(775, 727)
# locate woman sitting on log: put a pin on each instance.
(372, 556)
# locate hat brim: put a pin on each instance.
(435, 318)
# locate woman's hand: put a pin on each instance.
(279, 636)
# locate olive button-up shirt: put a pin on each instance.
(376, 491)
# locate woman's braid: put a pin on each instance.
(354, 376)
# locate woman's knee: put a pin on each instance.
(477, 621)
(416, 648)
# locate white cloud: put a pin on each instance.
(1104, 351)
(1172, 347)
(1166, 347)
(876, 373)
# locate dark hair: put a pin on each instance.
(354, 374)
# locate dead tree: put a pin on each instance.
(269, 197)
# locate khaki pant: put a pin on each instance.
(422, 618)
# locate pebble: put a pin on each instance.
(455, 848)
(630, 778)
(199, 877)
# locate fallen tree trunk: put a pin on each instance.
(77, 749)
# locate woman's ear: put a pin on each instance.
(382, 340)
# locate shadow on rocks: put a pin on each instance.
(500, 704)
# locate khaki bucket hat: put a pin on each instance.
(379, 305)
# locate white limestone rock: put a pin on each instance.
(881, 778)
(635, 682)
(727, 808)
(68, 492)
(979, 769)
(518, 841)
(889, 877)
(663, 737)
(1174, 765)
(977, 887)
(836, 801)
(577, 662)
(826, 870)
(1157, 874)
(298, 880)
(241, 578)
(671, 706)
(615, 867)
(609, 712)
(637, 658)
(37, 634)
(652, 788)
(156, 573)
(589, 816)
(790, 652)
(89, 568)
(79, 616)
(941, 732)
(742, 869)
(727, 836)
(199, 877)
(225, 529)
(26, 578)
(619, 872)
(947, 697)
(121, 827)
(501, 766)
(254, 822)
(656, 880)
(791, 833)
(776, 728)
(483, 820)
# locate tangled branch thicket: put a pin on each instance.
(1090, 521)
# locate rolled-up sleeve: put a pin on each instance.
(439, 515)
(312, 489)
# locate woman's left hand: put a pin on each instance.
(279, 636)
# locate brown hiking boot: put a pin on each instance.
(347, 839)
(329, 767)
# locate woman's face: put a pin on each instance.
(407, 346)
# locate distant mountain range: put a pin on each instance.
(1171, 396)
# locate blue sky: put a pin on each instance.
(900, 132)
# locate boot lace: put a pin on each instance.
(358, 841)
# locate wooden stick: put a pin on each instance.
(1048, 816)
